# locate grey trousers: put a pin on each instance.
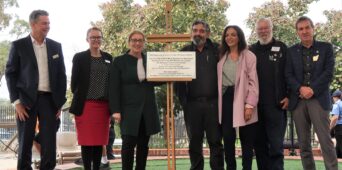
(310, 112)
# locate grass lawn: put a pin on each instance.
(184, 164)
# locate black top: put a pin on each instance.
(98, 82)
(307, 55)
(205, 84)
(81, 78)
(271, 60)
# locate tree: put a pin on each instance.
(121, 18)
(4, 48)
(20, 28)
(331, 31)
(284, 18)
(5, 17)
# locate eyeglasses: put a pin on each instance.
(137, 40)
(95, 38)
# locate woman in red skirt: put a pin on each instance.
(89, 85)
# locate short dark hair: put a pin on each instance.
(94, 29)
(206, 26)
(36, 14)
(304, 18)
(242, 44)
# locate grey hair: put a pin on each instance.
(36, 14)
(268, 20)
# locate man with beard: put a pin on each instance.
(199, 99)
(271, 60)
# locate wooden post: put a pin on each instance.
(168, 38)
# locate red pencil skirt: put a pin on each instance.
(93, 125)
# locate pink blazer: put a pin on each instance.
(246, 88)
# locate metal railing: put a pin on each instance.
(7, 114)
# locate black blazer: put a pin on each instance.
(22, 72)
(80, 76)
(321, 73)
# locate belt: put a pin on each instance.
(202, 99)
(43, 93)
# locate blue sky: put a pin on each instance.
(70, 20)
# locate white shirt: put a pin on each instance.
(40, 52)
(141, 70)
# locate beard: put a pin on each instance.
(264, 41)
(198, 40)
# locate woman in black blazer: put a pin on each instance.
(132, 102)
(89, 85)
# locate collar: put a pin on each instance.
(311, 47)
(207, 43)
(35, 42)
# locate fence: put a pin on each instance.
(7, 114)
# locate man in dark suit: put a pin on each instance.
(309, 72)
(36, 80)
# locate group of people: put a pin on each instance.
(236, 86)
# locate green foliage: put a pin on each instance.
(121, 18)
(20, 28)
(4, 50)
(5, 17)
(284, 18)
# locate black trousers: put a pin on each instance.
(338, 137)
(269, 148)
(127, 150)
(45, 110)
(202, 117)
(91, 155)
(247, 135)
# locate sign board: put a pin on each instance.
(171, 66)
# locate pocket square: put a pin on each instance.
(55, 56)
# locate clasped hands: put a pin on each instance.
(305, 92)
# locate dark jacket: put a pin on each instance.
(130, 97)
(321, 73)
(22, 72)
(80, 76)
(271, 61)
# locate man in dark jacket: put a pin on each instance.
(36, 81)
(309, 72)
(273, 101)
(199, 99)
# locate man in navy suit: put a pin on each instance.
(36, 80)
(309, 72)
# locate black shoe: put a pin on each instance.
(110, 156)
(79, 162)
(104, 166)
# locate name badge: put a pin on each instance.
(315, 58)
(275, 49)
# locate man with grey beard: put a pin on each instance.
(199, 100)
(273, 101)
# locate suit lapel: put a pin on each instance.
(299, 59)
(30, 51)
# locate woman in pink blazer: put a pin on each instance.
(238, 95)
